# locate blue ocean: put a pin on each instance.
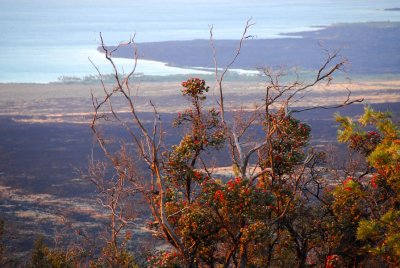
(41, 40)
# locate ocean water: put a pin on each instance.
(41, 40)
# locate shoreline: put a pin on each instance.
(371, 47)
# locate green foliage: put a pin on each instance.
(44, 257)
(373, 206)
(367, 229)
(109, 257)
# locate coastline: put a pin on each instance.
(371, 48)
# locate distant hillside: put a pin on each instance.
(370, 48)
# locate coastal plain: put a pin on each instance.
(59, 100)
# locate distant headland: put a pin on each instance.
(371, 48)
(392, 9)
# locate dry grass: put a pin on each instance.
(59, 101)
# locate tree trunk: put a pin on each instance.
(243, 256)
